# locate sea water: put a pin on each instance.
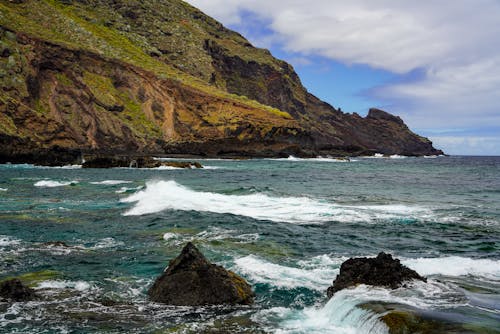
(285, 225)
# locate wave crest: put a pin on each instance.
(169, 195)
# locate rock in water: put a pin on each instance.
(382, 270)
(15, 290)
(191, 279)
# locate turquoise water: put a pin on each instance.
(285, 225)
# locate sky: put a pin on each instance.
(436, 64)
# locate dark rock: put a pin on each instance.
(182, 164)
(120, 161)
(134, 162)
(379, 114)
(15, 290)
(191, 279)
(382, 270)
(55, 244)
(105, 162)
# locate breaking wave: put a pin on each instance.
(53, 184)
(169, 195)
(111, 182)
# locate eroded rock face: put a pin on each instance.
(15, 290)
(191, 279)
(173, 93)
(382, 270)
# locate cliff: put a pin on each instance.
(160, 77)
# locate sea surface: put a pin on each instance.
(285, 225)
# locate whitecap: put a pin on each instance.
(70, 167)
(61, 284)
(317, 159)
(455, 266)
(52, 184)
(123, 190)
(111, 182)
(311, 276)
(165, 195)
(170, 236)
(6, 241)
(340, 315)
(167, 168)
(107, 243)
(3, 189)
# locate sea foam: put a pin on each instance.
(169, 195)
(53, 184)
(261, 271)
(455, 266)
(110, 182)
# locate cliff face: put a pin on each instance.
(161, 77)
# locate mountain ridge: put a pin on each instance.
(160, 77)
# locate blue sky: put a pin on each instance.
(434, 63)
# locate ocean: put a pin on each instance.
(91, 242)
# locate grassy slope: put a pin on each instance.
(79, 27)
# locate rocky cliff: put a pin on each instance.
(160, 77)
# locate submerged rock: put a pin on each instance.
(382, 270)
(191, 279)
(61, 244)
(15, 290)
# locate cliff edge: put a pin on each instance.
(161, 77)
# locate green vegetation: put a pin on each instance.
(100, 30)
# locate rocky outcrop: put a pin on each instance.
(15, 290)
(135, 162)
(191, 279)
(382, 271)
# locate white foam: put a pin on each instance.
(111, 182)
(167, 168)
(70, 167)
(60, 284)
(52, 184)
(397, 156)
(169, 236)
(107, 243)
(317, 159)
(164, 195)
(455, 266)
(312, 276)
(126, 189)
(3, 189)
(8, 241)
(211, 234)
(340, 315)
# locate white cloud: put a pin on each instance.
(454, 43)
(471, 145)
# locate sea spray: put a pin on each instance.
(284, 277)
(341, 314)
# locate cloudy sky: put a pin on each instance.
(434, 63)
